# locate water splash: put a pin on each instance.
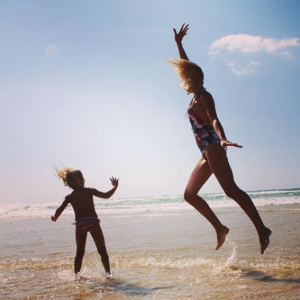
(228, 268)
(232, 259)
(66, 275)
(168, 262)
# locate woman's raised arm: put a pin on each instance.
(179, 37)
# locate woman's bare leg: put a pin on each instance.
(200, 175)
(218, 162)
(80, 243)
(98, 237)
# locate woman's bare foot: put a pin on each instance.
(264, 239)
(221, 235)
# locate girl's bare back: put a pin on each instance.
(82, 203)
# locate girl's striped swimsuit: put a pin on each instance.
(86, 223)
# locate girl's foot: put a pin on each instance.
(108, 275)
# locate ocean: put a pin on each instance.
(159, 248)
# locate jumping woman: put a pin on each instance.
(212, 142)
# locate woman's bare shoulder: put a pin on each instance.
(206, 95)
(206, 99)
(203, 98)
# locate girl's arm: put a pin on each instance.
(209, 106)
(114, 182)
(179, 37)
(60, 210)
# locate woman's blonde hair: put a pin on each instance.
(190, 74)
(72, 178)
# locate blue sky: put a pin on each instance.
(86, 84)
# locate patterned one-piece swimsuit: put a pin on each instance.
(204, 134)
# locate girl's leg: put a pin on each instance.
(200, 175)
(98, 237)
(218, 162)
(80, 242)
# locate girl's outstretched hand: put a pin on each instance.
(225, 143)
(53, 219)
(182, 32)
(114, 181)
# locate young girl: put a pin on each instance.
(86, 219)
(212, 142)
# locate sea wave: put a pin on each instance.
(150, 205)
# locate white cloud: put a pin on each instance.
(51, 50)
(246, 43)
(286, 53)
(230, 45)
(239, 69)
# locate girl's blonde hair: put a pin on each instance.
(190, 74)
(72, 178)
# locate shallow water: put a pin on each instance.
(154, 255)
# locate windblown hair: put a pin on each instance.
(190, 74)
(71, 178)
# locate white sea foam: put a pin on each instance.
(30, 210)
(152, 205)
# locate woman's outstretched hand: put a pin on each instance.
(225, 143)
(182, 32)
(114, 181)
